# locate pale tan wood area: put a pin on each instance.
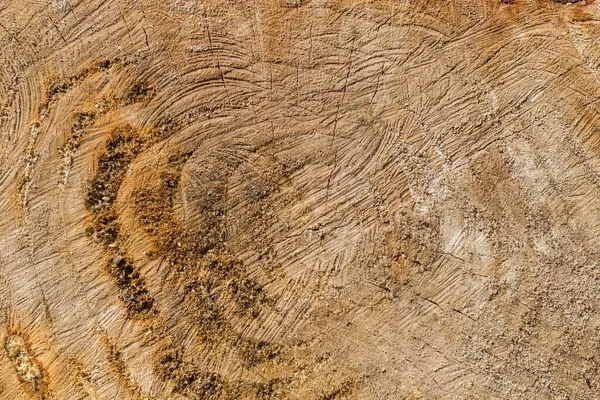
(299, 199)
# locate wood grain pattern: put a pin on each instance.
(299, 199)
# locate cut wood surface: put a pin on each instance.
(299, 199)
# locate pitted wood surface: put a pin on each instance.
(308, 199)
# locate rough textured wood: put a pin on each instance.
(303, 199)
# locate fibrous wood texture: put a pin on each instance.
(299, 199)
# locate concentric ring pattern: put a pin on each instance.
(307, 199)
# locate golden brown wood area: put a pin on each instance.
(299, 199)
